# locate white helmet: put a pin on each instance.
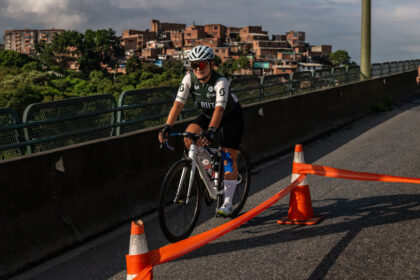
(201, 53)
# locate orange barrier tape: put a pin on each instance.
(305, 168)
(180, 248)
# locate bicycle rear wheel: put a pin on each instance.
(178, 218)
(244, 177)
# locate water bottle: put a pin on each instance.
(207, 165)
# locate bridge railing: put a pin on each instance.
(56, 124)
(143, 108)
(10, 134)
(275, 86)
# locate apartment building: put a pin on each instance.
(321, 50)
(134, 40)
(1, 47)
(278, 38)
(151, 53)
(240, 47)
(211, 42)
(290, 56)
(159, 44)
(268, 49)
(177, 38)
(258, 44)
(285, 67)
(193, 33)
(252, 33)
(217, 31)
(232, 34)
(158, 27)
(295, 38)
(302, 66)
(23, 41)
(223, 52)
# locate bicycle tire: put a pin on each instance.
(178, 219)
(242, 189)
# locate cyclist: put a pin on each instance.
(220, 111)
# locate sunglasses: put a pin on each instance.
(201, 65)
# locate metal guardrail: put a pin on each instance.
(55, 124)
(136, 105)
(75, 120)
(275, 86)
(12, 136)
(248, 90)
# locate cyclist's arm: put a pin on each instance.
(217, 116)
(181, 98)
(174, 113)
(222, 92)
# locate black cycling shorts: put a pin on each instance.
(231, 127)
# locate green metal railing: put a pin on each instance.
(144, 108)
(275, 86)
(248, 90)
(70, 121)
(55, 124)
(9, 134)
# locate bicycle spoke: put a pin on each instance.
(178, 218)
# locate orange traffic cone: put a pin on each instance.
(138, 246)
(300, 205)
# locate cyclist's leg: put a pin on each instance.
(233, 153)
(231, 131)
(231, 134)
(196, 126)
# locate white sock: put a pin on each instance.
(229, 187)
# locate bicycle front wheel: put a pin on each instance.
(178, 213)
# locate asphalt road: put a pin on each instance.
(370, 230)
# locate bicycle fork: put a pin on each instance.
(192, 154)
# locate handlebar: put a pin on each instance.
(194, 137)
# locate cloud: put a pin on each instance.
(47, 13)
(148, 4)
(333, 22)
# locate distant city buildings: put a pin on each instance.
(23, 41)
(285, 53)
(280, 54)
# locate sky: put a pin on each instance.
(395, 23)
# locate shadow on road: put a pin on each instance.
(356, 215)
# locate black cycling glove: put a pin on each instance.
(166, 129)
(209, 134)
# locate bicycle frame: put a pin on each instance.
(196, 164)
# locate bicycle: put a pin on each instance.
(182, 191)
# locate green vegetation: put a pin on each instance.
(228, 67)
(50, 74)
(339, 57)
(25, 80)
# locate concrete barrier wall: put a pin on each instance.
(54, 200)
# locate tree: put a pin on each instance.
(339, 57)
(174, 68)
(133, 64)
(93, 50)
(226, 68)
(25, 88)
(241, 63)
(14, 59)
(217, 61)
(152, 68)
(62, 52)
(100, 48)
